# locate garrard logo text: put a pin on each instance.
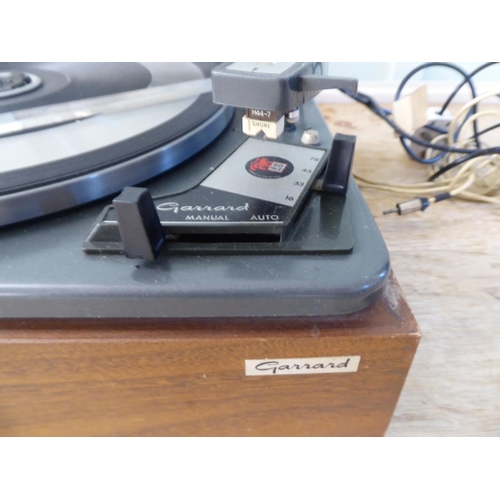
(301, 366)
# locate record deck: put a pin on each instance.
(169, 190)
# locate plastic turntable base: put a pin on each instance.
(46, 275)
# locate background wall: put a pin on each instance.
(380, 80)
(396, 71)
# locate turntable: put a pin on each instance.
(238, 237)
(195, 215)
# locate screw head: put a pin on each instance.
(310, 137)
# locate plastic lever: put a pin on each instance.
(338, 169)
(321, 82)
(139, 224)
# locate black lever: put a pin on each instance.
(139, 224)
(322, 82)
(339, 166)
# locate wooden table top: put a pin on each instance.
(447, 261)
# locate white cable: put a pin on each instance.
(476, 180)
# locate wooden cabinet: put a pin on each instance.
(171, 378)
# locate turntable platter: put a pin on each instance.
(53, 169)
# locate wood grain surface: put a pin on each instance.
(187, 377)
(447, 261)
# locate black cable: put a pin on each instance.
(467, 79)
(469, 154)
(489, 129)
(455, 92)
(415, 157)
(494, 150)
(437, 129)
(375, 108)
(458, 162)
(430, 65)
